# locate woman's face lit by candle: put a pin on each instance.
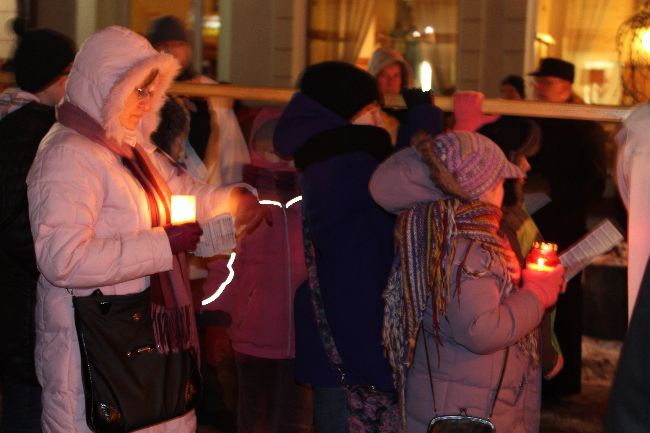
(139, 101)
(389, 79)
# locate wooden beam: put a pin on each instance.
(600, 113)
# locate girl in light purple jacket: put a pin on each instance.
(451, 285)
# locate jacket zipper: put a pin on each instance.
(289, 297)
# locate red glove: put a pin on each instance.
(468, 112)
(545, 285)
(183, 237)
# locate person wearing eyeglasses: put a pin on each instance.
(571, 168)
(99, 201)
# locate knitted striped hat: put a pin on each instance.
(465, 164)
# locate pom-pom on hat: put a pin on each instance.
(465, 164)
(41, 56)
(340, 87)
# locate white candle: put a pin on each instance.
(183, 209)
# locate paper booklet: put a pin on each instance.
(601, 239)
(534, 201)
(218, 236)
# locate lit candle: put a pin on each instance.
(542, 257)
(540, 265)
(183, 209)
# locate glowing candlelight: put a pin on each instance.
(426, 74)
(540, 265)
(183, 209)
(542, 257)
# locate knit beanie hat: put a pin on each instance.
(465, 164)
(517, 82)
(165, 29)
(340, 87)
(384, 57)
(41, 56)
(514, 135)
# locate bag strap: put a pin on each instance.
(324, 329)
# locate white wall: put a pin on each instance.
(262, 42)
(7, 37)
(493, 41)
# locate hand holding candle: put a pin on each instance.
(544, 275)
(183, 233)
(542, 257)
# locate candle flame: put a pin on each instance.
(183, 209)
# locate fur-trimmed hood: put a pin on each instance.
(110, 65)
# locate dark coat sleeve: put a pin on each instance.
(629, 400)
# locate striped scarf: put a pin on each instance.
(172, 313)
(426, 237)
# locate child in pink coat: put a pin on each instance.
(267, 268)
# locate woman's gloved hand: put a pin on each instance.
(415, 97)
(248, 212)
(183, 237)
(468, 111)
(545, 285)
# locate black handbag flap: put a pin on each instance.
(127, 383)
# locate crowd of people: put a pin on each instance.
(379, 277)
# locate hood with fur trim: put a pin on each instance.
(108, 67)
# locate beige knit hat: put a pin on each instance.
(383, 57)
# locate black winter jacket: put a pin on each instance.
(20, 134)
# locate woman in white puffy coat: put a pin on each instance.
(90, 217)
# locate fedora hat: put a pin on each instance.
(552, 67)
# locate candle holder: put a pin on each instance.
(543, 257)
(183, 209)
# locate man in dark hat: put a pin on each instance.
(42, 60)
(571, 168)
(553, 80)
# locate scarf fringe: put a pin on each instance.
(175, 329)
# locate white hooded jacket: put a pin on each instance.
(633, 179)
(90, 218)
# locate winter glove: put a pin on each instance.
(183, 237)
(248, 212)
(467, 111)
(414, 97)
(545, 285)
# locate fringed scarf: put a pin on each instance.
(171, 301)
(426, 237)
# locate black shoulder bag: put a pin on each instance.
(127, 383)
